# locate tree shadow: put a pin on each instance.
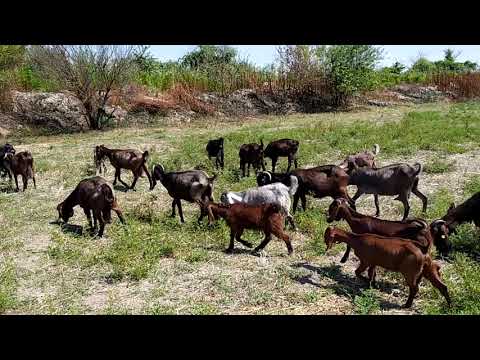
(345, 285)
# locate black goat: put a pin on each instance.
(267, 177)
(192, 186)
(4, 150)
(93, 195)
(215, 149)
(251, 154)
(468, 211)
(282, 148)
(20, 164)
(396, 179)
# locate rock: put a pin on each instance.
(3, 132)
(119, 114)
(52, 110)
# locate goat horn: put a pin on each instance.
(439, 221)
(269, 176)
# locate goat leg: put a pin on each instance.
(406, 207)
(150, 181)
(180, 212)
(431, 273)
(291, 222)
(229, 250)
(121, 181)
(241, 241)
(295, 162)
(264, 243)
(361, 268)
(117, 175)
(371, 276)
(17, 189)
(377, 205)
(135, 179)
(25, 182)
(274, 163)
(346, 255)
(289, 163)
(119, 214)
(421, 196)
(88, 214)
(278, 232)
(174, 202)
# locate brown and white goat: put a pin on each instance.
(391, 253)
(20, 164)
(128, 159)
(92, 195)
(265, 217)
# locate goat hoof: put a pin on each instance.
(229, 251)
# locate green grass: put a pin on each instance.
(472, 186)
(8, 286)
(439, 166)
(366, 303)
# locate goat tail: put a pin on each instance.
(419, 167)
(376, 149)
(293, 185)
(30, 168)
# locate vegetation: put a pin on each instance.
(156, 265)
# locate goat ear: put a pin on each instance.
(452, 206)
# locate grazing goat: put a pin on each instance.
(282, 148)
(414, 229)
(392, 253)
(215, 149)
(321, 181)
(362, 159)
(396, 179)
(251, 154)
(266, 217)
(20, 164)
(5, 149)
(468, 211)
(191, 186)
(124, 159)
(276, 193)
(93, 195)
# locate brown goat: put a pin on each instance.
(414, 229)
(321, 181)
(93, 195)
(251, 154)
(128, 159)
(20, 164)
(361, 159)
(265, 217)
(394, 254)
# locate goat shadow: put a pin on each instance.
(68, 228)
(121, 188)
(7, 188)
(345, 285)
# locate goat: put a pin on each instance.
(275, 193)
(396, 179)
(266, 217)
(282, 148)
(251, 154)
(414, 229)
(321, 181)
(20, 164)
(361, 159)
(267, 177)
(124, 159)
(5, 149)
(93, 195)
(392, 253)
(468, 211)
(215, 149)
(192, 186)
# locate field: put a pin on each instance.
(155, 265)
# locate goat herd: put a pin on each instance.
(400, 246)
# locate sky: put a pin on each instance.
(266, 54)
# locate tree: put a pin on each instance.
(11, 59)
(91, 72)
(350, 68)
(205, 55)
(423, 65)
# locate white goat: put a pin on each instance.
(276, 193)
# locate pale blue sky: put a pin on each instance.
(265, 54)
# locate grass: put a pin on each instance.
(8, 286)
(439, 166)
(156, 265)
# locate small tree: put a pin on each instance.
(208, 55)
(350, 68)
(11, 59)
(92, 73)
